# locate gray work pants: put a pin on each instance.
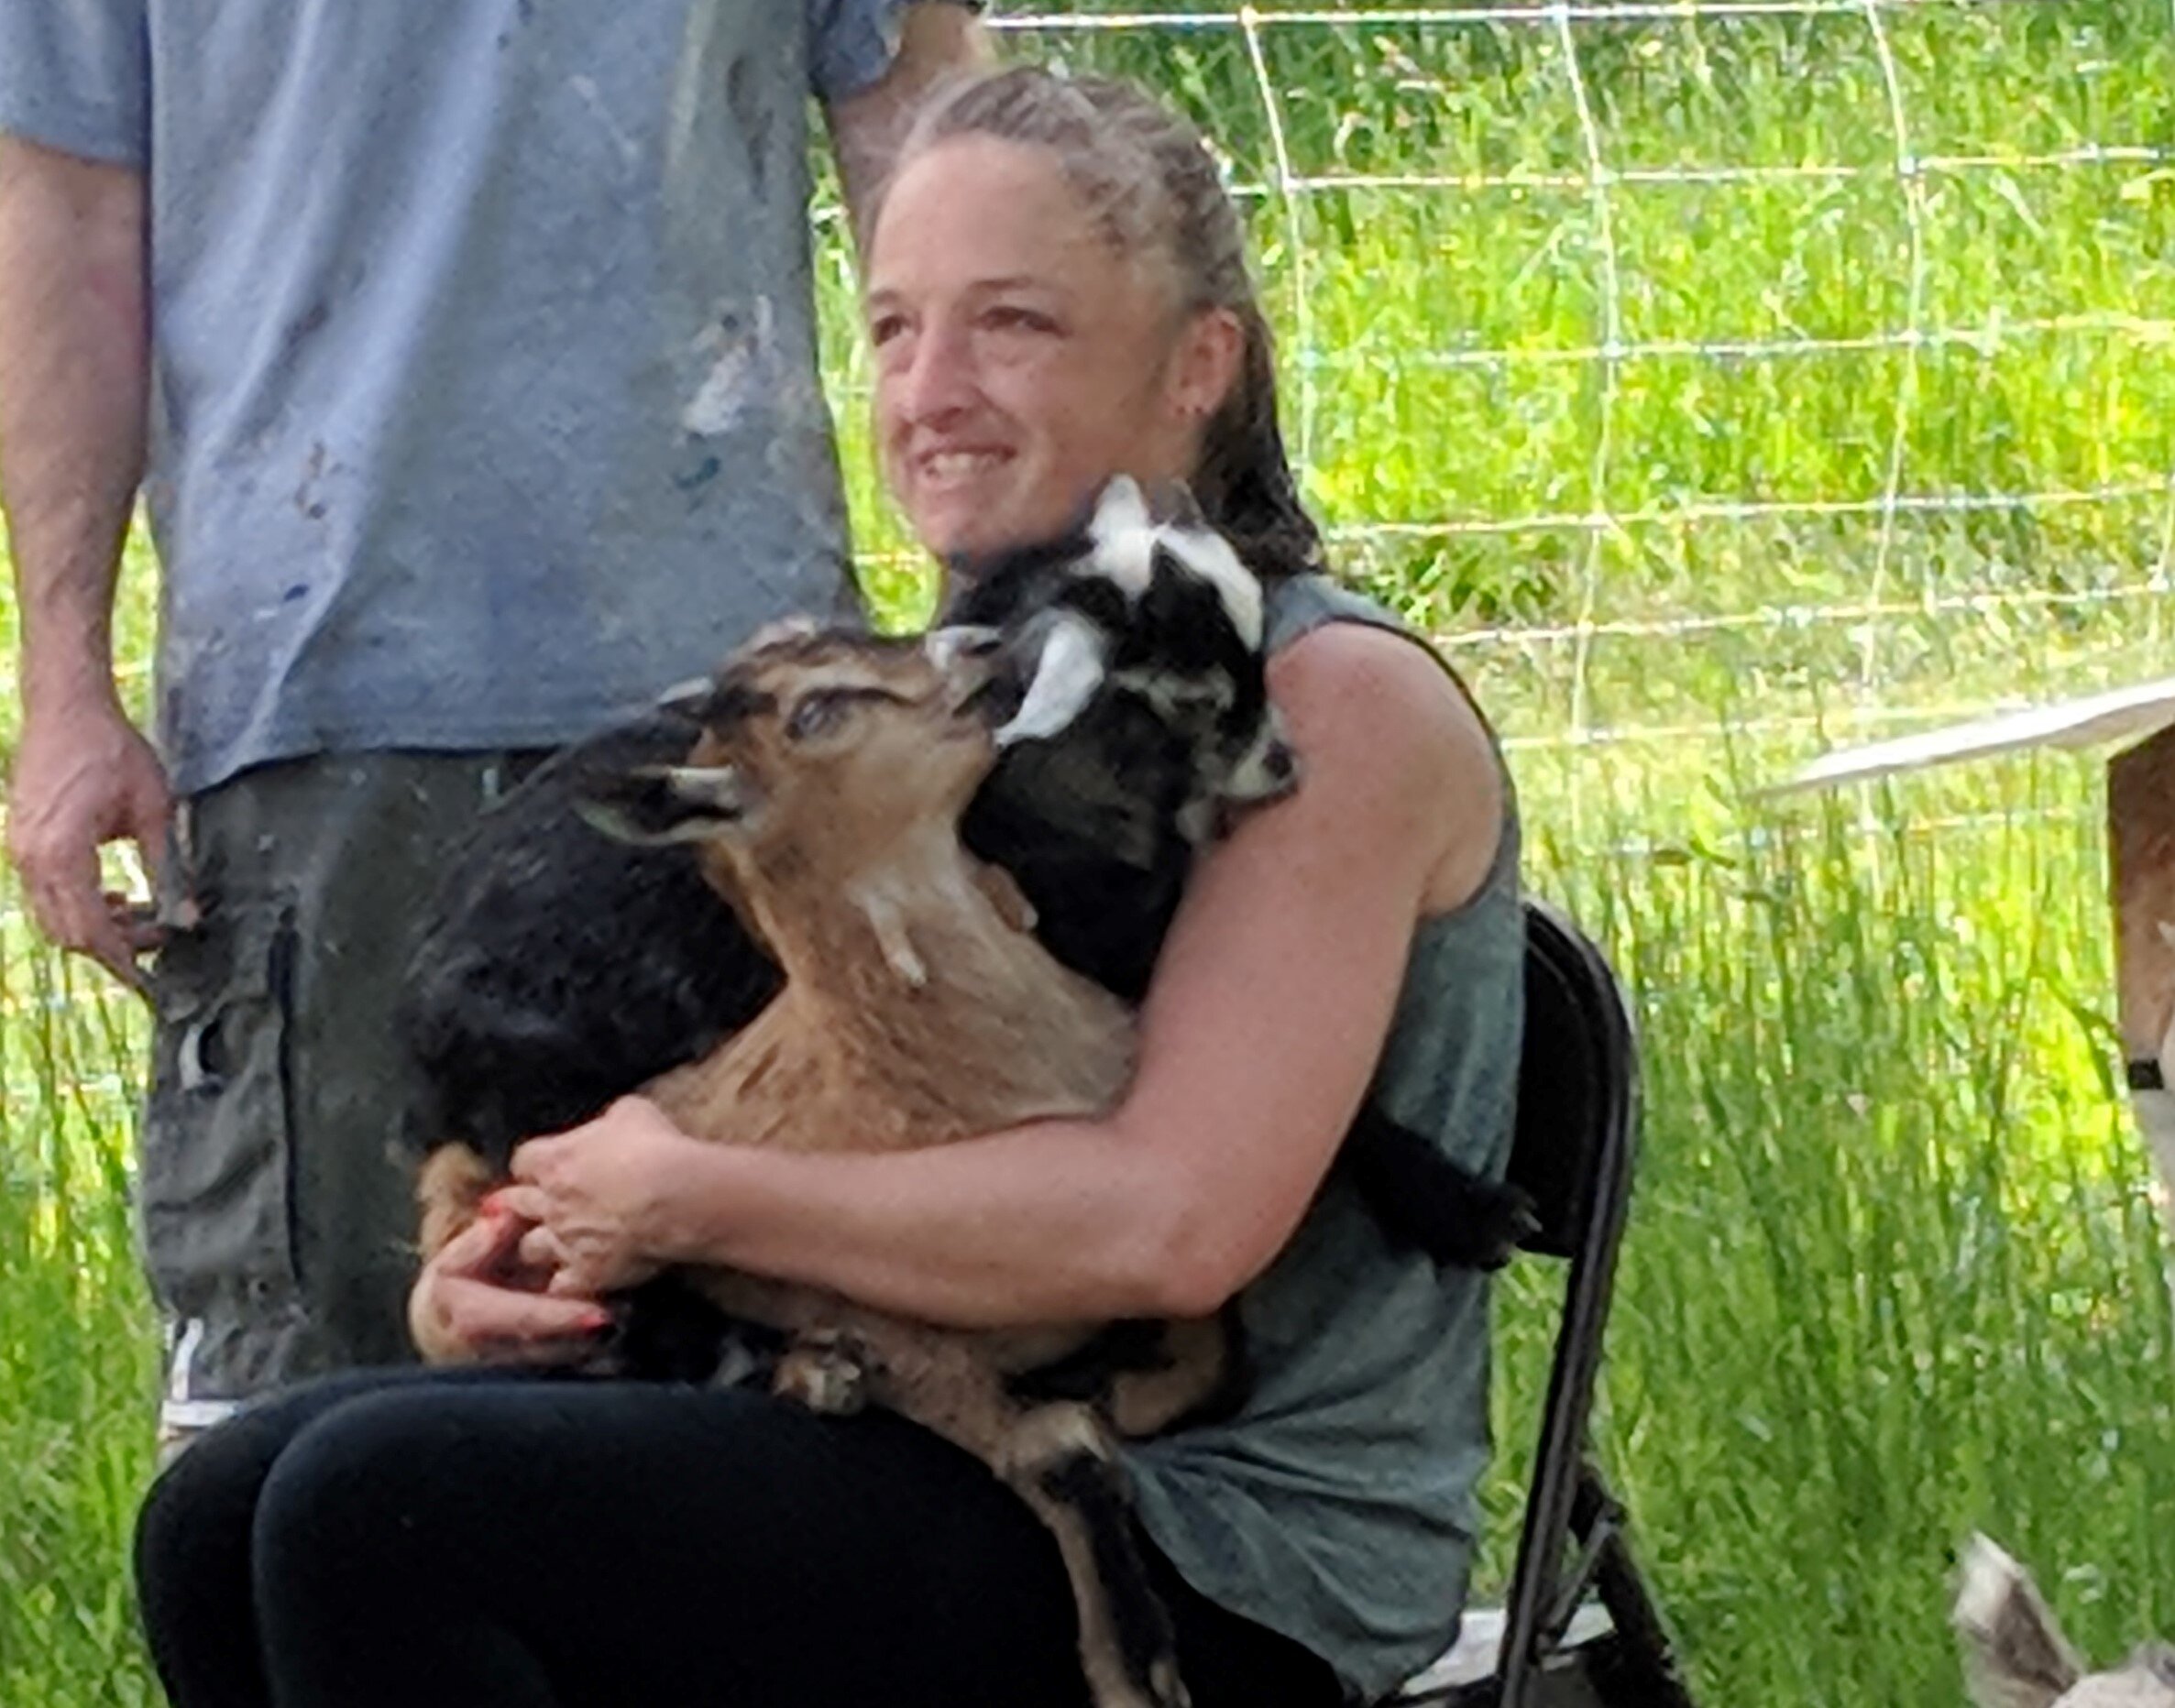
(277, 1217)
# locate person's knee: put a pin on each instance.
(169, 1524)
(193, 1528)
(351, 1496)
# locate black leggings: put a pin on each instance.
(484, 1540)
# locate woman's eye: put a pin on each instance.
(884, 328)
(1013, 317)
(817, 715)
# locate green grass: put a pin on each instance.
(78, 1364)
(1893, 1271)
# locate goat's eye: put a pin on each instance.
(816, 714)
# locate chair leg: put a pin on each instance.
(1637, 1668)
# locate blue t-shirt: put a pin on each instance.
(485, 399)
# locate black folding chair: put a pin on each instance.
(1577, 1125)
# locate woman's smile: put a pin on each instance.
(1020, 362)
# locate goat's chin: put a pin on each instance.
(983, 709)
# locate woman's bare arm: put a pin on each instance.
(1260, 1038)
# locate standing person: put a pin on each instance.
(463, 357)
(1058, 292)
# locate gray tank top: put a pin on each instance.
(1337, 1507)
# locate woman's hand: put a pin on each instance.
(599, 1195)
(479, 1301)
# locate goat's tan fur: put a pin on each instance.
(917, 1009)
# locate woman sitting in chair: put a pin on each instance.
(1057, 292)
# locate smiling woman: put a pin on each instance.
(1109, 323)
(1017, 364)
(1057, 295)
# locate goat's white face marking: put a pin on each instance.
(946, 647)
(1209, 555)
(1066, 676)
(1124, 538)
(718, 788)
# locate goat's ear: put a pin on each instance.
(946, 646)
(1171, 504)
(2015, 1656)
(1121, 508)
(653, 805)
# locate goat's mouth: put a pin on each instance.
(991, 702)
(980, 678)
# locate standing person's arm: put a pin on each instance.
(936, 40)
(75, 384)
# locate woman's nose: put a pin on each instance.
(938, 377)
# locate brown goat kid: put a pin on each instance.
(918, 1008)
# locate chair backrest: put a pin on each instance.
(1577, 1126)
(1577, 1087)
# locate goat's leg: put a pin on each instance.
(1061, 1459)
(1005, 895)
(1146, 1376)
(449, 1190)
(1200, 1373)
(826, 1370)
(1057, 1457)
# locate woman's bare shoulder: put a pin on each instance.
(1374, 713)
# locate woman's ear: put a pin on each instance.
(1206, 365)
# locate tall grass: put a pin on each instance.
(1893, 1270)
(78, 1343)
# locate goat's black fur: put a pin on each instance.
(558, 968)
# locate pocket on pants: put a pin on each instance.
(215, 1182)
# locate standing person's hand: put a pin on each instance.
(85, 777)
(479, 1301)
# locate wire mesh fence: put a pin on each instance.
(1775, 365)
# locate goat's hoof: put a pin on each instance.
(1170, 1688)
(1160, 1687)
(827, 1373)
